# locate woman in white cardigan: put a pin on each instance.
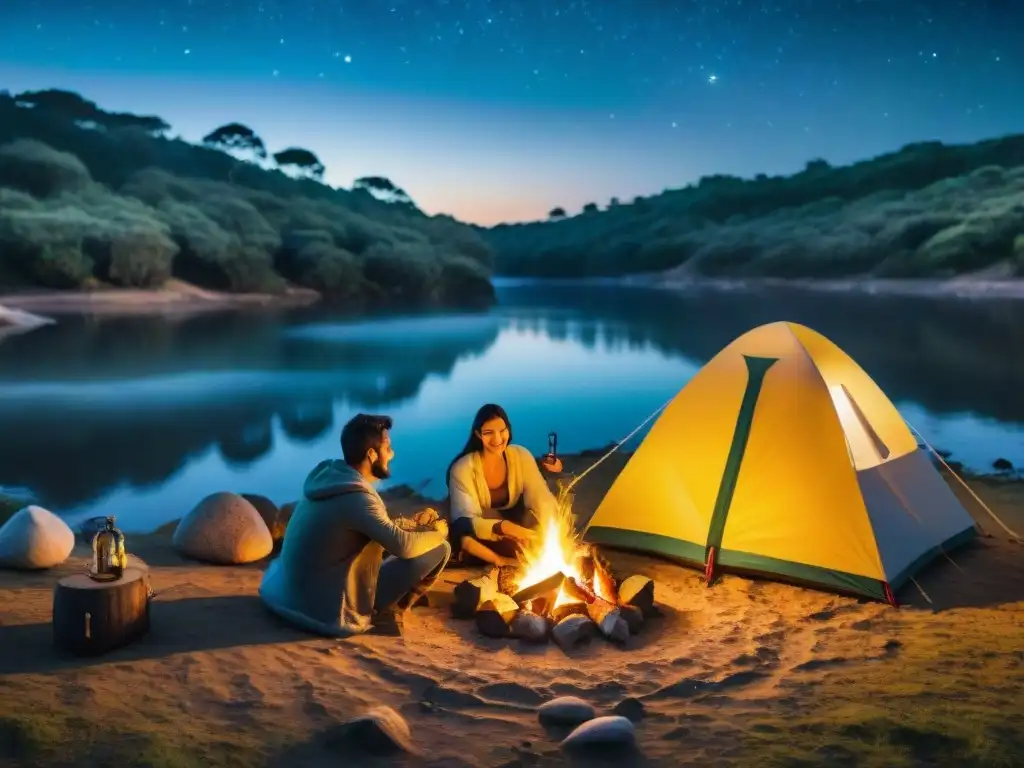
(496, 491)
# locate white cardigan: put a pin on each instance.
(470, 496)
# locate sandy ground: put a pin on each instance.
(175, 298)
(745, 673)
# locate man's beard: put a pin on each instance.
(378, 470)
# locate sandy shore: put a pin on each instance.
(997, 282)
(175, 298)
(746, 673)
(959, 288)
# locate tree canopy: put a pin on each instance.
(383, 189)
(235, 136)
(302, 160)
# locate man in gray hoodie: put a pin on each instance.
(331, 576)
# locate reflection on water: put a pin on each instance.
(142, 417)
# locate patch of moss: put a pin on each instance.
(51, 739)
(25, 736)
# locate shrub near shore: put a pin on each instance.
(83, 205)
(928, 210)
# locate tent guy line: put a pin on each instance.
(1013, 534)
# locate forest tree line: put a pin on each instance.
(90, 197)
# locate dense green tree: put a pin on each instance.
(383, 189)
(302, 160)
(235, 136)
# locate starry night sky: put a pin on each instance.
(498, 110)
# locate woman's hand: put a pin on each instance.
(517, 533)
(551, 464)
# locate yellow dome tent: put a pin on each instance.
(782, 458)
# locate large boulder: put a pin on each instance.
(35, 538)
(275, 518)
(223, 529)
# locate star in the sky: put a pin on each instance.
(712, 79)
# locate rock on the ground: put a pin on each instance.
(605, 732)
(529, 627)
(633, 616)
(381, 731)
(638, 591)
(573, 630)
(223, 529)
(1002, 465)
(18, 318)
(276, 518)
(35, 538)
(630, 708)
(609, 621)
(565, 710)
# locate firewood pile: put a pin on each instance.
(568, 609)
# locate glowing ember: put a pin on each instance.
(558, 549)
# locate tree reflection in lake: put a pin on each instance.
(142, 417)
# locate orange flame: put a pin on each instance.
(557, 549)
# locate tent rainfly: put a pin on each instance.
(782, 458)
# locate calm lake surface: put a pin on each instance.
(142, 417)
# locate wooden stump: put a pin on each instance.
(94, 617)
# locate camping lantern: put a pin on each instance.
(108, 555)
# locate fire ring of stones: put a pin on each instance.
(579, 601)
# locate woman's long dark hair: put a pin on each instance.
(473, 442)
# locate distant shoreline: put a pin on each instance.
(976, 286)
(176, 298)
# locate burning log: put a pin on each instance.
(603, 581)
(508, 580)
(568, 609)
(470, 595)
(573, 630)
(495, 616)
(548, 588)
(638, 591)
(581, 592)
(608, 619)
(529, 627)
(540, 605)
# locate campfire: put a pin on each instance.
(562, 588)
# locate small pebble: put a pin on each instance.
(610, 731)
(630, 708)
(381, 731)
(565, 710)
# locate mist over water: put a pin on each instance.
(142, 417)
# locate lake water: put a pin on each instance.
(142, 417)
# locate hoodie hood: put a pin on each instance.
(332, 478)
